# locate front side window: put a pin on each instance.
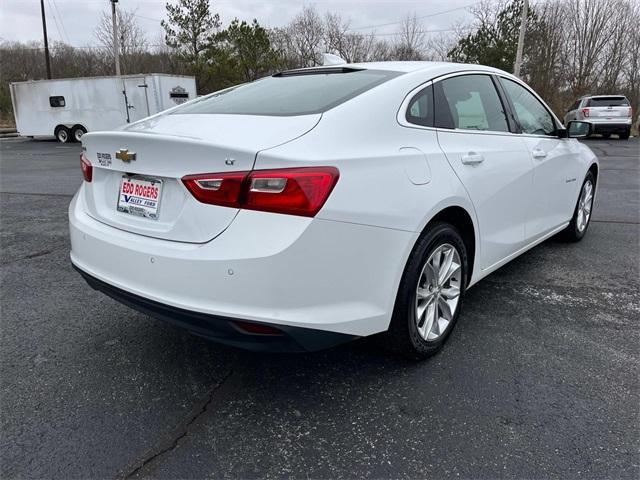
(290, 93)
(469, 102)
(57, 101)
(532, 116)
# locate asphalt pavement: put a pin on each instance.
(540, 379)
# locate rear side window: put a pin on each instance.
(608, 102)
(575, 106)
(293, 93)
(532, 115)
(469, 102)
(420, 109)
(57, 101)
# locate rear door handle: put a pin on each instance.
(472, 158)
(539, 153)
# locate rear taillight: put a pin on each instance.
(87, 168)
(585, 112)
(293, 191)
(216, 188)
(630, 114)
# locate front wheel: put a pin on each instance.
(582, 213)
(430, 294)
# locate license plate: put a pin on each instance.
(140, 196)
(609, 113)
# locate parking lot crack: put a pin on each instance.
(173, 439)
(31, 256)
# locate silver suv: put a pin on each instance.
(607, 114)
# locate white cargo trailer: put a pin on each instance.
(67, 108)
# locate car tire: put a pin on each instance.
(62, 134)
(76, 133)
(625, 135)
(606, 135)
(417, 335)
(576, 229)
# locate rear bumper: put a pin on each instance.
(222, 329)
(619, 127)
(280, 270)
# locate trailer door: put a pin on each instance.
(135, 98)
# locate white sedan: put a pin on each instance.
(320, 205)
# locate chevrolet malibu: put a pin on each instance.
(319, 205)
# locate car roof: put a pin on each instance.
(604, 96)
(407, 66)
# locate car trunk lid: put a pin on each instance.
(156, 153)
(613, 107)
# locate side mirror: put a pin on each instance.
(578, 129)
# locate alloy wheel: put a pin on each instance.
(585, 203)
(438, 292)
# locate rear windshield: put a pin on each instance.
(290, 93)
(608, 102)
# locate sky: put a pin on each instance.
(74, 21)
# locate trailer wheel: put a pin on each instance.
(62, 134)
(76, 133)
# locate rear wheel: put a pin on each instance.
(62, 134)
(76, 133)
(430, 294)
(625, 135)
(582, 214)
(606, 135)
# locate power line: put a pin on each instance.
(64, 30)
(85, 47)
(146, 18)
(443, 30)
(55, 20)
(417, 18)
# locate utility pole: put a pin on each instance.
(46, 41)
(116, 39)
(523, 29)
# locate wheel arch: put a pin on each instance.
(462, 220)
(59, 127)
(594, 169)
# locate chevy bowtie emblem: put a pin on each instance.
(125, 155)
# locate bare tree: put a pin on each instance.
(352, 47)
(590, 27)
(615, 53)
(305, 38)
(437, 47)
(133, 42)
(543, 53)
(411, 39)
(631, 69)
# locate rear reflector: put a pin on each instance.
(87, 169)
(293, 191)
(256, 328)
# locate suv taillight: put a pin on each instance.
(293, 191)
(87, 168)
(630, 112)
(585, 112)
